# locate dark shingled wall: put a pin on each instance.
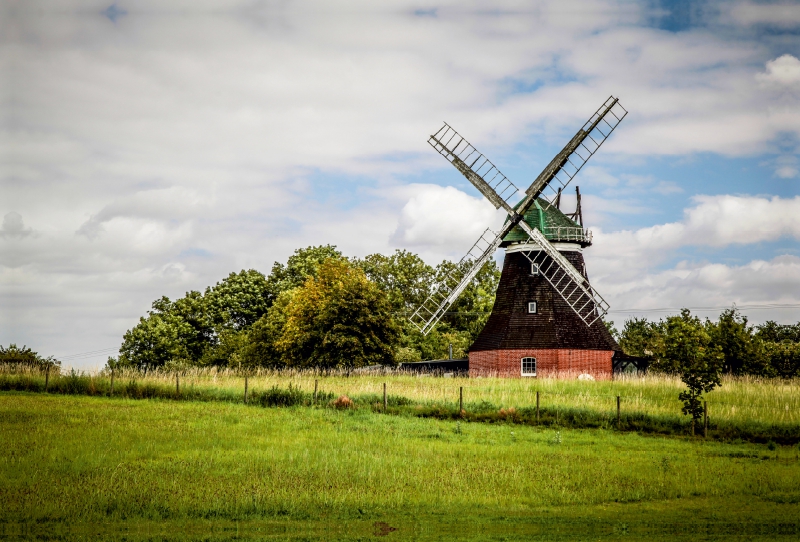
(555, 326)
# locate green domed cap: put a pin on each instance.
(554, 224)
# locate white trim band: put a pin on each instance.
(561, 247)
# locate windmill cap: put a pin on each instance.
(555, 225)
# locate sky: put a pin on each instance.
(153, 147)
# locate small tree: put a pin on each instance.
(687, 345)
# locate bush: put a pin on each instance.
(278, 397)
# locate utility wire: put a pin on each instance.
(87, 354)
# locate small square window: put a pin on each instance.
(528, 367)
(534, 268)
(532, 307)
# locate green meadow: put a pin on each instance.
(76, 466)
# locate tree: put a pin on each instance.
(338, 319)
(408, 281)
(192, 310)
(781, 358)
(688, 346)
(261, 349)
(302, 264)
(238, 300)
(612, 329)
(735, 339)
(14, 355)
(404, 276)
(156, 340)
(472, 308)
(645, 339)
(772, 331)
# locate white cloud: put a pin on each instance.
(627, 266)
(759, 282)
(444, 217)
(715, 221)
(782, 72)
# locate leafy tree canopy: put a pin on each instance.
(14, 355)
(302, 264)
(238, 300)
(339, 318)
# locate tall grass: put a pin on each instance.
(743, 407)
(739, 398)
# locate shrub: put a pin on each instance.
(276, 396)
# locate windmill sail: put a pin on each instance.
(567, 163)
(485, 176)
(482, 173)
(453, 283)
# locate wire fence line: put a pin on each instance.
(763, 400)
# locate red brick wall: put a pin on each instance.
(551, 362)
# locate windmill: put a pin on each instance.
(546, 316)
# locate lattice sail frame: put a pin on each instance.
(498, 189)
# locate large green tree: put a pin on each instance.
(338, 319)
(238, 300)
(157, 340)
(404, 277)
(302, 264)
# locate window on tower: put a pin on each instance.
(534, 268)
(532, 307)
(528, 367)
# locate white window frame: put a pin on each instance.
(533, 305)
(534, 268)
(522, 366)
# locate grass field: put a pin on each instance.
(141, 466)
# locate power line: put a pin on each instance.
(87, 354)
(744, 307)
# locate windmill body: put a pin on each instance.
(532, 330)
(547, 317)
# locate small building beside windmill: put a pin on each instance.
(532, 330)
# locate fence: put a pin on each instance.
(738, 402)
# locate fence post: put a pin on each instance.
(315, 390)
(619, 421)
(460, 400)
(537, 407)
(111, 393)
(384, 396)
(46, 377)
(177, 384)
(245, 389)
(705, 419)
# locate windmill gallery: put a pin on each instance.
(547, 318)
